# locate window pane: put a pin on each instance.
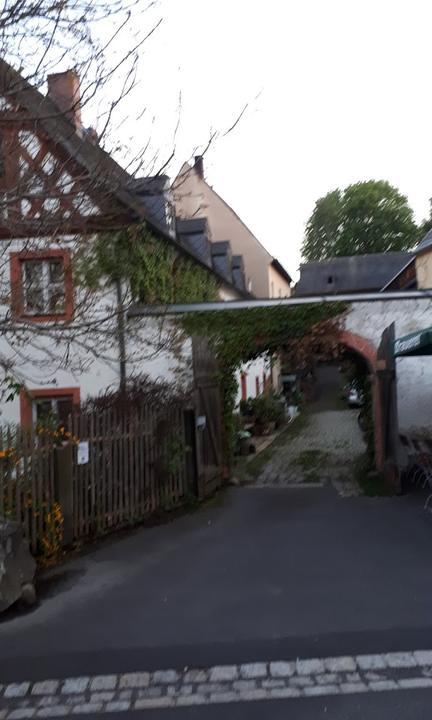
(33, 271)
(56, 272)
(56, 300)
(64, 409)
(43, 411)
(33, 286)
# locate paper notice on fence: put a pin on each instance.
(83, 453)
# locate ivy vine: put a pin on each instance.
(158, 274)
(239, 336)
(155, 271)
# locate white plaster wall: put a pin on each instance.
(77, 355)
(413, 375)
(226, 293)
(254, 369)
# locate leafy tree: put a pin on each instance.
(426, 225)
(367, 217)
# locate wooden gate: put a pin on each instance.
(208, 418)
(387, 397)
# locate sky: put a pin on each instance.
(337, 91)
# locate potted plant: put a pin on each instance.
(263, 415)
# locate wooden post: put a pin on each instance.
(64, 490)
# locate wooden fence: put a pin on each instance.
(136, 466)
(138, 463)
(27, 481)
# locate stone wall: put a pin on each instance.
(413, 375)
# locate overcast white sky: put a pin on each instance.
(339, 91)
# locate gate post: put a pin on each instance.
(386, 378)
(63, 488)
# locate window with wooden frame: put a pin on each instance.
(42, 285)
(47, 405)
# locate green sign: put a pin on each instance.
(418, 343)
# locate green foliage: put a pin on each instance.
(366, 217)
(12, 388)
(426, 225)
(266, 408)
(155, 272)
(238, 336)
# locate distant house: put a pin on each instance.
(416, 273)
(353, 274)
(376, 272)
(194, 198)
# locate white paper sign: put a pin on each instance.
(201, 422)
(83, 453)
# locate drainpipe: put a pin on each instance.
(121, 334)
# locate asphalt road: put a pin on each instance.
(257, 574)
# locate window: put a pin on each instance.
(45, 406)
(58, 408)
(42, 285)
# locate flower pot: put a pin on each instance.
(260, 428)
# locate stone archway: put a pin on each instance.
(367, 350)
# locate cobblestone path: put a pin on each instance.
(324, 451)
(248, 682)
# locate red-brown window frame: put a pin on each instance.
(27, 397)
(243, 382)
(17, 295)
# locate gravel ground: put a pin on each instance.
(325, 451)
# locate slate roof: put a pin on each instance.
(356, 273)
(424, 243)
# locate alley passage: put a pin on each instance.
(324, 445)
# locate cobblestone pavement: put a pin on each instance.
(273, 680)
(324, 451)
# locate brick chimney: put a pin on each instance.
(64, 90)
(199, 166)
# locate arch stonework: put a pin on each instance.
(369, 352)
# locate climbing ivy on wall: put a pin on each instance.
(155, 271)
(238, 336)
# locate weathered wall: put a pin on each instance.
(413, 375)
(278, 286)
(423, 263)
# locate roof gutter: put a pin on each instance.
(141, 310)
